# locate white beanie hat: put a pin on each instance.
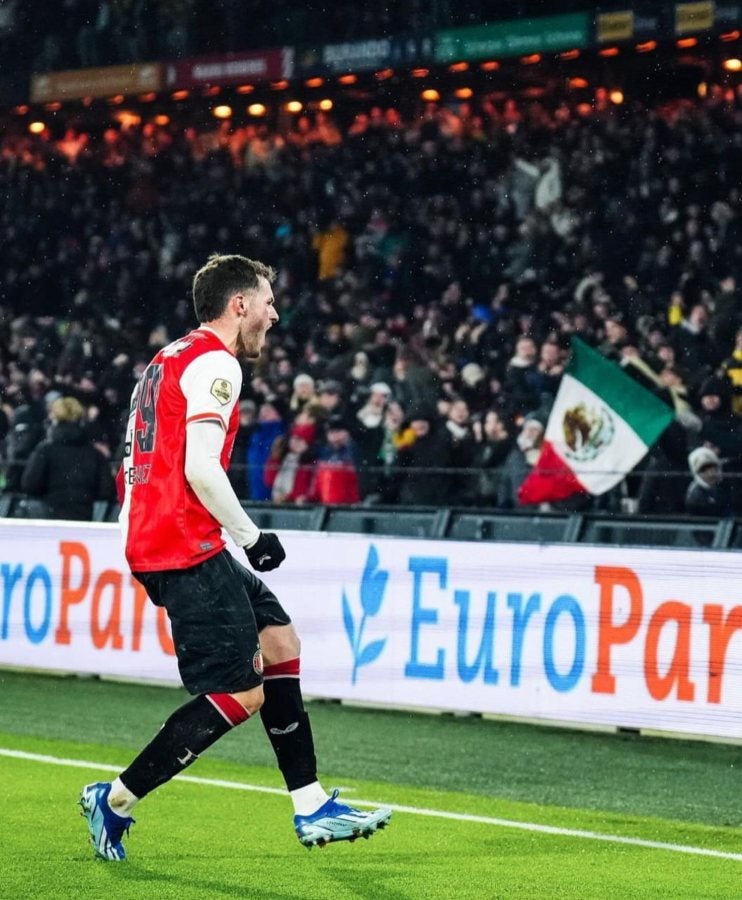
(700, 458)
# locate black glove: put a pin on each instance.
(266, 553)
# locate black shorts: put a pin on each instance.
(217, 610)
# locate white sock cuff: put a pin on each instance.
(308, 799)
(120, 799)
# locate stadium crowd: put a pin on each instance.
(431, 273)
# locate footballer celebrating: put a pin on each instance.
(237, 650)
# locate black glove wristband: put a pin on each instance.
(266, 553)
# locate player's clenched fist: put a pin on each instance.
(266, 553)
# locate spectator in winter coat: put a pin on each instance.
(368, 434)
(269, 427)
(423, 457)
(290, 471)
(493, 444)
(520, 461)
(336, 474)
(65, 470)
(707, 494)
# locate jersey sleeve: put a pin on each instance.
(211, 385)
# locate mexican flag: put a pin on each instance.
(601, 425)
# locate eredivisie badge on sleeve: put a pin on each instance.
(222, 390)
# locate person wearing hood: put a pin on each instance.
(520, 460)
(707, 494)
(65, 470)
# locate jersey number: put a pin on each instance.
(146, 402)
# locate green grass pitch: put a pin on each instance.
(456, 784)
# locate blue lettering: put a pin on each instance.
(484, 655)
(37, 635)
(10, 578)
(419, 566)
(564, 604)
(520, 623)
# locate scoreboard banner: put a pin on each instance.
(592, 635)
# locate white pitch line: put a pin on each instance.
(413, 810)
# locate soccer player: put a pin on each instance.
(238, 653)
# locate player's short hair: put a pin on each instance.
(222, 277)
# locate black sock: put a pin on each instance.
(288, 729)
(188, 732)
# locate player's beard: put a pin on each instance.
(250, 345)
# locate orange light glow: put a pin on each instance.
(126, 118)
(246, 89)
(646, 47)
(616, 97)
(20, 110)
(212, 91)
(179, 95)
(384, 74)
(609, 51)
(279, 85)
(730, 35)
(570, 54)
(162, 119)
(222, 112)
(531, 60)
(492, 65)
(294, 106)
(326, 105)
(686, 43)
(430, 95)
(36, 127)
(147, 98)
(577, 83)
(420, 73)
(314, 82)
(348, 79)
(459, 67)
(257, 109)
(733, 65)
(54, 106)
(464, 93)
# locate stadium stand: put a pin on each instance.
(433, 264)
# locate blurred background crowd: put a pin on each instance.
(432, 270)
(434, 260)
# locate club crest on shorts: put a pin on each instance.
(257, 661)
(222, 390)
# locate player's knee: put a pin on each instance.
(282, 643)
(250, 700)
(279, 643)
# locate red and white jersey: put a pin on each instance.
(164, 523)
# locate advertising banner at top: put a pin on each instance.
(727, 15)
(239, 68)
(614, 26)
(139, 78)
(513, 38)
(365, 56)
(693, 17)
(640, 638)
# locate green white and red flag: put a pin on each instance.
(602, 424)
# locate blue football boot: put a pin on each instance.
(106, 827)
(335, 821)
